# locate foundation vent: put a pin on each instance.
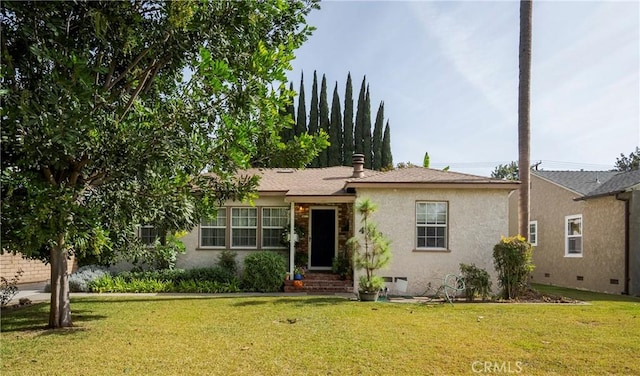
(580, 278)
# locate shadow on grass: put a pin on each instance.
(36, 318)
(586, 296)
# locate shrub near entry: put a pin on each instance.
(264, 272)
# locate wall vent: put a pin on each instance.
(614, 282)
(547, 275)
(580, 278)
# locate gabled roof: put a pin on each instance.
(619, 183)
(581, 182)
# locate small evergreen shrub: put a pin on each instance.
(81, 279)
(477, 282)
(227, 261)
(264, 272)
(512, 259)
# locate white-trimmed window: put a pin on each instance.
(148, 235)
(573, 235)
(533, 233)
(274, 220)
(244, 227)
(431, 223)
(213, 231)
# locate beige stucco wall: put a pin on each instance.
(196, 257)
(603, 239)
(477, 220)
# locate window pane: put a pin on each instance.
(244, 237)
(212, 237)
(434, 216)
(148, 235)
(271, 238)
(575, 245)
(574, 226)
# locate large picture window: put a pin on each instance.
(431, 223)
(274, 220)
(244, 227)
(213, 231)
(573, 235)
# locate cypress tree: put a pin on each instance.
(347, 148)
(366, 132)
(288, 131)
(335, 131)
(387, 158)
(377, 138)
(358, 141)
(301, 124)
(313, 113)
(324, 121)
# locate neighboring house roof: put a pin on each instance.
(619, 183)
(581, 182)
(590, 184)
(335, 182)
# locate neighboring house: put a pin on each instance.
(435, 219)
(585, 228)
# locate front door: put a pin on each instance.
(323, 238)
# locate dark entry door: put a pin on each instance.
(323, 238)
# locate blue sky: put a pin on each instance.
(447, 72)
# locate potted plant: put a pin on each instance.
(298, 272)
(371, 252)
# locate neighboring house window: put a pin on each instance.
(212, 231)
(431, 222)
(274, 220)
(244, 227)
(533, 232)
(573, 232)
(148, 235)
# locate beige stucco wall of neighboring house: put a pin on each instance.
(477, 220)
(197, 257)
(602, 261)
(514, 202)
(634, 243)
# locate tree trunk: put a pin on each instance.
(524, 126)
(60, 308)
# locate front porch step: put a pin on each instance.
(321, 283)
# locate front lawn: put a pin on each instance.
(171, 335)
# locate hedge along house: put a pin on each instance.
(434, 219)
(585, 228)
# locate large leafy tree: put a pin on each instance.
(507, 171)
(112, 110)
(632, 162)
(524, 118)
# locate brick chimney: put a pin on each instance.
(358, 165)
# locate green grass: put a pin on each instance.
(329, 336)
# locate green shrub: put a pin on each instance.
(227, 261)
(215, 274)
(512, 259)
(264, 272)
(9, 288)
(477, 282)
